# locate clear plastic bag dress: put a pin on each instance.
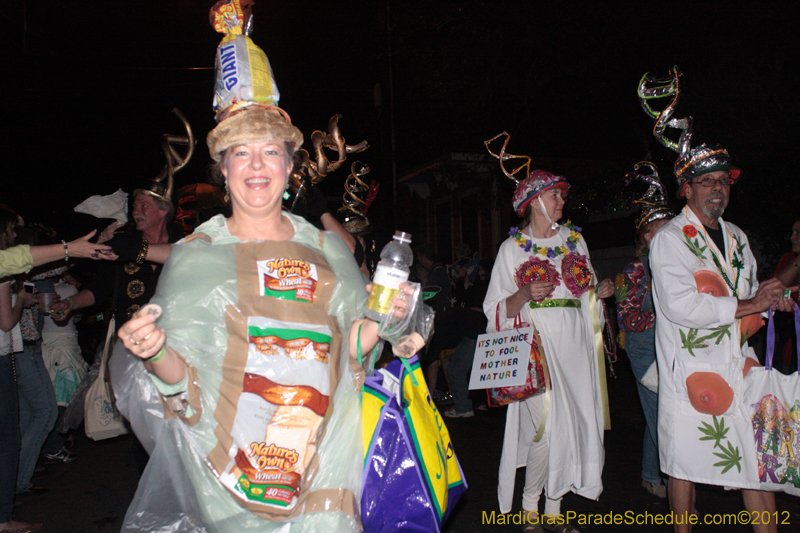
(200, 294)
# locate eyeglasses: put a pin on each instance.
(727, 181)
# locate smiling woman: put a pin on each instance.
(256, 176)
(263, 357)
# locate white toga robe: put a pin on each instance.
(575, 422)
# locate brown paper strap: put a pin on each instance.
(193, 392)
(325, 500)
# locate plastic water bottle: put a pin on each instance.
(392, 270)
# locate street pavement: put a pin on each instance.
(92, 493)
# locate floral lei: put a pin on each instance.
(527, 245)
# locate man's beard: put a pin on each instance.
(712, 211)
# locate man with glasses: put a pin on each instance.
(704, 282)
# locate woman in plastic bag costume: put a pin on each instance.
(248, 398)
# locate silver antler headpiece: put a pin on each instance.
(691, 161)
(654, 201)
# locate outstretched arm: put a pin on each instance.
(78, 248)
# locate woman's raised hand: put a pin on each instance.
(89, 250)
(140, 335)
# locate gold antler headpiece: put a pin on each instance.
(353, 213)
(308, 172)
(503, 156)
(161, 187)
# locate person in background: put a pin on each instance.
(131, 281)
(543, 274)
(435, 279)
(12, 304)
(637, 320)
(469, 321)
(788, 271)
(37, 401)
(196, 203)
(66, 367)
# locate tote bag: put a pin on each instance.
(412, 478)
(772, 402)
(102, 419)
(537, 380)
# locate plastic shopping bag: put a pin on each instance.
(412, 478)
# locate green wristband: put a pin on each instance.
(157, 357)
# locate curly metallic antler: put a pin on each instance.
(309, 172)
(354, 187)
(162, 185)
(503, 156)
(353, 213)
(661, 88)
(656, 194)
(316, 171)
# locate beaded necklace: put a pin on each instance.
(528, 246)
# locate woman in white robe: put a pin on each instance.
(543, 273)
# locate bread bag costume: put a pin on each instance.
(264, 432)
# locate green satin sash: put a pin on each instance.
(555, 302)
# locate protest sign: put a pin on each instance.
(501, 359)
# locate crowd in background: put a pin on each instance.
(53, 351)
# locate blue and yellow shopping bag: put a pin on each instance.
(412, 479)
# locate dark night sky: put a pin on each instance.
(89, 85)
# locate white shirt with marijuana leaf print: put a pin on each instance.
(698, 333)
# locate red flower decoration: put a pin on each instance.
(536, 269)
(690, 231)
(577, 276)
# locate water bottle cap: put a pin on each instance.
(402, 236)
